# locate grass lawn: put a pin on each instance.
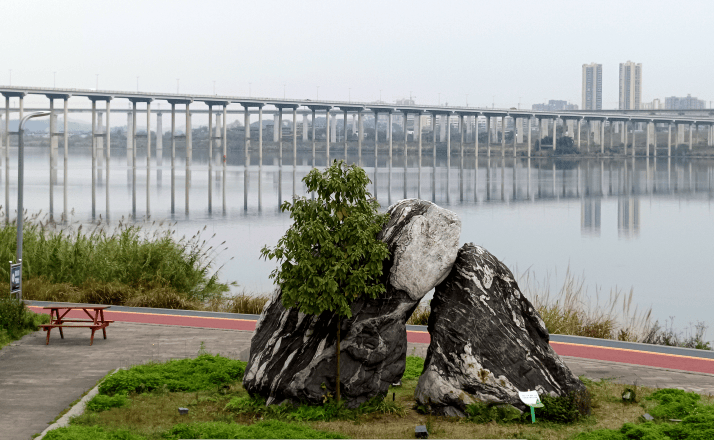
(135, 404)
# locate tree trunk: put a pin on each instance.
(339, 324)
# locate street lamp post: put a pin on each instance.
(20, 183)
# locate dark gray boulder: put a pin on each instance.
(487, 341)
(292, 355)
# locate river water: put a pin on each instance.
(643, 223)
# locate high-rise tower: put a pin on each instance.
(630, 85)
(592, 86)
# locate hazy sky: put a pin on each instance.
(495, 51)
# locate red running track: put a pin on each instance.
(662, 360)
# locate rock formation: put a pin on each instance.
(292, 355)
(487, 341)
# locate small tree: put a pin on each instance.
(330, 255)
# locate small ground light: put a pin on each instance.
(183, 411)
(421, 432)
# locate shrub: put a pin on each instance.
(480, 412)
(202, 373)
(673, 403)
(102, 402)
(262, 429)
(16, 320)
(565, 409)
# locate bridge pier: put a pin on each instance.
(488, 136)
(313, 137)
(389, 135)
(602, 136)
(503, 136)
(327, 135)
(360, 135)
(669, 140)
(529, 142)
(294, 144)
(515, 138)
(555, 132)
(344, 129)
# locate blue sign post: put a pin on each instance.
(16, 279)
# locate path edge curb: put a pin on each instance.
(76, 410)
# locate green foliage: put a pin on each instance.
(330, 255)
(262, 429)
(102, 402)
(329, 411)
(202, 373)
(673, 404)
(697, 420)
(414, 367)
(566, 409)
(16, 320)
(77, 432)
(128, 255)
(480, 412)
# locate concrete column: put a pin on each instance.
(590, 130)
(376, 139)
(328, 122)
(555, 131)
(634, 137)
(580, 123)
(389, 135)
(406, 136)
(529, 138)
(648, 139)
(462, 133)
(360, 135)
(109, 148)
(246, 133)
(654, 142)
(304, 127)
(189, 141)
(669, 140)
(514, 140)
(260, 136)
(66, 154)
(612, 126)
(417, 131)
(276, 122)
(225, 137)
(433, 135)
(344, 124)
(503, 136)
(129, 137)
(488, 136)
(159, 139)
(94, 154)
(468, 129)
(476, 138)
(148, 155)
(448, 145)
(690, 137)
(313, 137)
(443, 128)
(519, 130)
(210, 135)
(602, 136)
(624, 135)
(333, 127)
(294, 137)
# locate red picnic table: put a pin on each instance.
(95, 322)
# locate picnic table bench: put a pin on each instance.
(95, 322)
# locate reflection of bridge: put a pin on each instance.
(464, 119)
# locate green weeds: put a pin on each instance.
(202, 373)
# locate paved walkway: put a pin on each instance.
(37, 381)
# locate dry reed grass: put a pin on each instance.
(571, 311)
